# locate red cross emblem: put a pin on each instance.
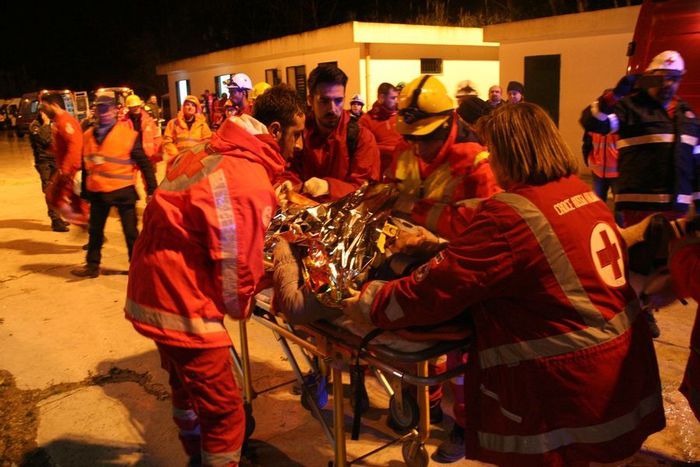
(189, 164)
(606, 253)
(609, 255)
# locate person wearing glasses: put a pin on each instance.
(441, 172)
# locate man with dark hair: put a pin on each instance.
(45, 162)
(67, 146)
(200, 257)
(381, 121)
(338, 156)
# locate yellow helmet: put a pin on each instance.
(260, 88)
(133, 101)
(424, 105)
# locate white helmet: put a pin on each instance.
(240, 81)
(357, 98)
(667, 60)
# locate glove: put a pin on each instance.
(316, 187)
(625, 86)
(281, 192)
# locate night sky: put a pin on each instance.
(82, 45)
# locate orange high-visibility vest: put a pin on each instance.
(109, 166)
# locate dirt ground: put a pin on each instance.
(79, 387)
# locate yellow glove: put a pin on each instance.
(316, 187)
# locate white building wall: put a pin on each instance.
(588, 66)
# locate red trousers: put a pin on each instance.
(207, 403)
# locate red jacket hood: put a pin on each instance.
(232, 140)
(380, 112)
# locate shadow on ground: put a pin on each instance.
(25, 224)
(28, 246)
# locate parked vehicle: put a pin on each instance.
(669, 25)
(29, 107)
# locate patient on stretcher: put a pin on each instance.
(323, 253)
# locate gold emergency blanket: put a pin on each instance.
(340, 241)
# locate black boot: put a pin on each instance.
(452, 449)
(91, 271)
(58, 225)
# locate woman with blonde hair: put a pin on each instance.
(563, 370)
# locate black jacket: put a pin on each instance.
(658, 155)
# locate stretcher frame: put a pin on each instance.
(335, 347)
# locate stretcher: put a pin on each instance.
(334, 347)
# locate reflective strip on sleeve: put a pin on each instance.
(184, 414)
(228, 242)
(642, 198)
(482, 156)
(614, 123)
(220, 458)
(696, 150)
(595, 110)
(555, 439)
(172, 322)
(645, 139)
(691, 140)
(553, 251)
(684, 199)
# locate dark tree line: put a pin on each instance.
(92, 43)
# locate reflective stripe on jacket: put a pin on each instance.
(658, 164)
(564, 369)
(178, 136)
(430, 192)
(603, 158)
(200, 254)
(108, 165)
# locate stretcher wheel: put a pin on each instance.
(249, 420)
(414, 454)
(408, 417)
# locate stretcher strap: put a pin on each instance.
(357, 378)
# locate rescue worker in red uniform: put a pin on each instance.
(338, 156)
(381, 121)
(441, 174)
(66, 146)
(444, 164)
(111, 152)
(200, 257)
(563, 371)
(186, 130)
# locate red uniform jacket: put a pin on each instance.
(328, 158)
(434, 193)
(67, 143)
(200, 255)
(564, 368)
(685, 272)
(603, 157)
(382, 123)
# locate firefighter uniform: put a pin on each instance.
(564, 369)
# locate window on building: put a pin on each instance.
(296, 78)
(331, 64)
(542, 82)
(272, 76)
(219, 85)
(431, 66)
(183, 89)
